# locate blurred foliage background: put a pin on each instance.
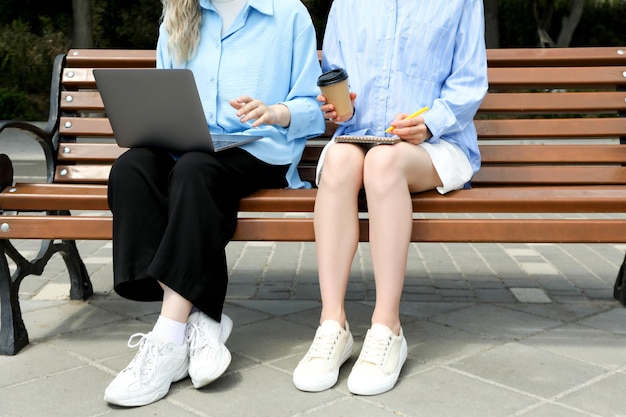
(33, 32)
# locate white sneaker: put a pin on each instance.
(379, 364)
(148, 377)
(208, 356)
(319, 369)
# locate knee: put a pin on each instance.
(382, 170)
(128, 166)
(195, 168)
(343, 167)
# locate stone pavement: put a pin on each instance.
(493, 330)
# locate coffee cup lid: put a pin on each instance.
(332, 77)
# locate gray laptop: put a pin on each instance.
(160, 108)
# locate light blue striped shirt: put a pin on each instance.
(269, 53)
(402, 55)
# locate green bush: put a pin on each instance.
(602, 23)
(15, 104)
(26, 66)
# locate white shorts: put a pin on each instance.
(452, 166)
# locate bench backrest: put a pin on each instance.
(552, 116)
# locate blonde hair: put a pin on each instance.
(182, 22)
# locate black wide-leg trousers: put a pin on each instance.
(172, 219)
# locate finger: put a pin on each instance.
(250, 108)
(264, 117)
(244, 99)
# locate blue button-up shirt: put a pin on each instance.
(403, 55)
(268, 53)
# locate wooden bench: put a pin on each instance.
(552, 135)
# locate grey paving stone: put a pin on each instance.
(553, 410)
(444, 393)
(495, 321)
(74, 392)
(583, 343)
(530, 370)
(600, 397)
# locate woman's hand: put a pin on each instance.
(410, 130)
(249, 108)
(329, 109)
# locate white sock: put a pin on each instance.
(169, 331)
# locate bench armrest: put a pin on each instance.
(42, 137)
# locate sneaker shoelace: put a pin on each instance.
(198, 340)
(323, 346)
(375, 350)
(143, 364)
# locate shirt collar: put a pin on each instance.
(263, 6)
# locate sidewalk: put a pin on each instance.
(493, 330)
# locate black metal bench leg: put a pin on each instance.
(13, 335)
(619, 291)
(81, 287)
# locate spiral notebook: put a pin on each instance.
(368, 139)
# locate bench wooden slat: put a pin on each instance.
(97, 174)
(491, 153)
(551, 128)
(89, 152)
(556, 57)
(539, 77)
(568, 102)
(301, 230)
(111, 58)
(553, 154)
(86, 127)
(517, 57)
(494, 129)
(490, 174)
(554, 103)
(526, 175)
(455, 230)
(74, 101)
(106, 153)
(587, 77)
(497, 199)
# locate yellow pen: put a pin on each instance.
(410, 116)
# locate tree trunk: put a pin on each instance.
(544, 11)
(492, 25)
(569, 23)
(82, 30)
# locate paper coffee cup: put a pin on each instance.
(334, 85)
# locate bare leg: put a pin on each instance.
(391, 173)
(174, 306)
(337, 225)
